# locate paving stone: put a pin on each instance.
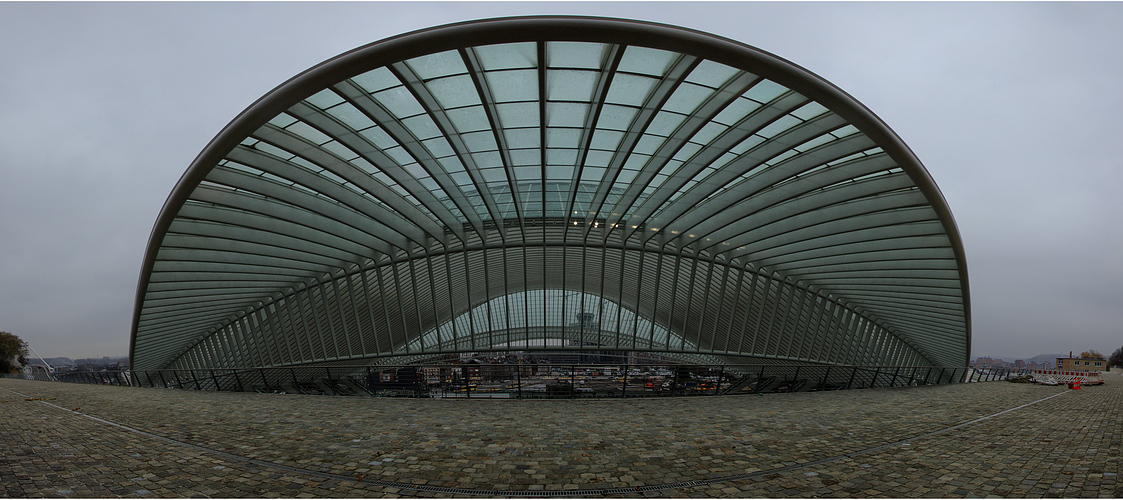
(63, 438)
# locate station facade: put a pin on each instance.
(558, 184)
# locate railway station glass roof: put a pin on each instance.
(649, 136)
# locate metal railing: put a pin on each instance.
(539, 380)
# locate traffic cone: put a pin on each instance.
(1076, 383)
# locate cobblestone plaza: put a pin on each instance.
(960, 440)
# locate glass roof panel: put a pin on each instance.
(437, 65)
(614, 117)
(779, 126)
(809, 110)
(508, 56)
(582, 55)
(647, 61)
(324, 99)
(422, 127)
(513, 86)
(379, 137)
(527, 157)
(606, 139)
(351, 116)
(522, 138)
(454, 91)
(376, 80)
(399, 102)
(665, 123)
(566, 114)
(306, 131)
(687, 98)
(562, 137)
(438, 147)
(630, 90)
(765, 91)
(452, 164)
(711, 74)
(282, 120)
(470, 119)
(518, 114)
(648, 144)
(708, 132)
(570, 85)
(340, 150)
(487, 159)
(736, 111)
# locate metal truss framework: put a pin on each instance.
(554, 183)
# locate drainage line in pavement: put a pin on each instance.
(543, 493)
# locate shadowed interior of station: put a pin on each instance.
(995, 438)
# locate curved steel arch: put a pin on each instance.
(711, 189)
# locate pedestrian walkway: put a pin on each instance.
(964, 440)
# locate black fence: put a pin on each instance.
(538, 380)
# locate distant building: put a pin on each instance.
(1082, 364)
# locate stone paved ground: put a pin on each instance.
(69, 440)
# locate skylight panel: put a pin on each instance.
(665, 123)
(513, 86)
(308, 132)
(570, 85)
(479, 141)
(324, 99)
(629, 90)
(614, 117)
(532, 157)
(581, 55)
(282, 120)
(563, 137)
(340, 150)
(736, 111)
(454, 91)
(273, 150)
(765, 91)
(566, 114)
(607, 140)
(422, 127)
(351, 116)
(399, 102)
(507, 56)
(470, 119)
(438, 147)
(687, 97)
(708, 132)
(711, 74)
(376, 80)
(518, 115)
(451, 164)
(779, 126)
(522, 138)
(810, 110)
(648, 144)
(647, 61)
(437, 65)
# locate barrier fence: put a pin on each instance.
(536, 380)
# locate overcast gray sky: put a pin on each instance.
(1014, 108)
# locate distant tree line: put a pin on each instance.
(13, 353)
(1116, 358)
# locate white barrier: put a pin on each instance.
(1064, 377)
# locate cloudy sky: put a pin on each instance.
(1014, 108)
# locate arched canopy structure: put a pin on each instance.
(543, 182)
